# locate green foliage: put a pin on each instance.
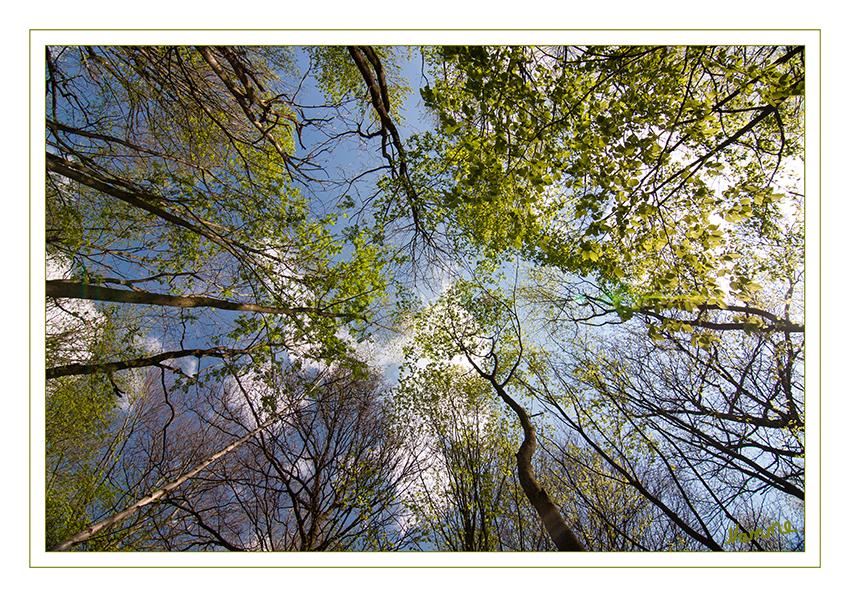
(464, 494)
(603, 161)
(177, 134)
(84, 422)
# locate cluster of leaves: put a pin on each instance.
(608, 161)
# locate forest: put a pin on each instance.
(430, 298)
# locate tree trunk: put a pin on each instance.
(562, 536)
(77, 290)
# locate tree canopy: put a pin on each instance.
(583, 268)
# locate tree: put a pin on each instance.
(600, 161)
(459, 501)
(172, 172)
(560, 157)
(172, 193)
(315, 470)
(723, 424)
(325, 476)
(689, 436)
(718, 400)
(454, 327)
(88, 425)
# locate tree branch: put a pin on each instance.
(779, 325)
(78, 290)
(137, 199)
(82, 369)
(380, 101)
(159, 494)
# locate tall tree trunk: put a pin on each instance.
(556, 526)
(78, 290)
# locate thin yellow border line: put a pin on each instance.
(805, 365)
